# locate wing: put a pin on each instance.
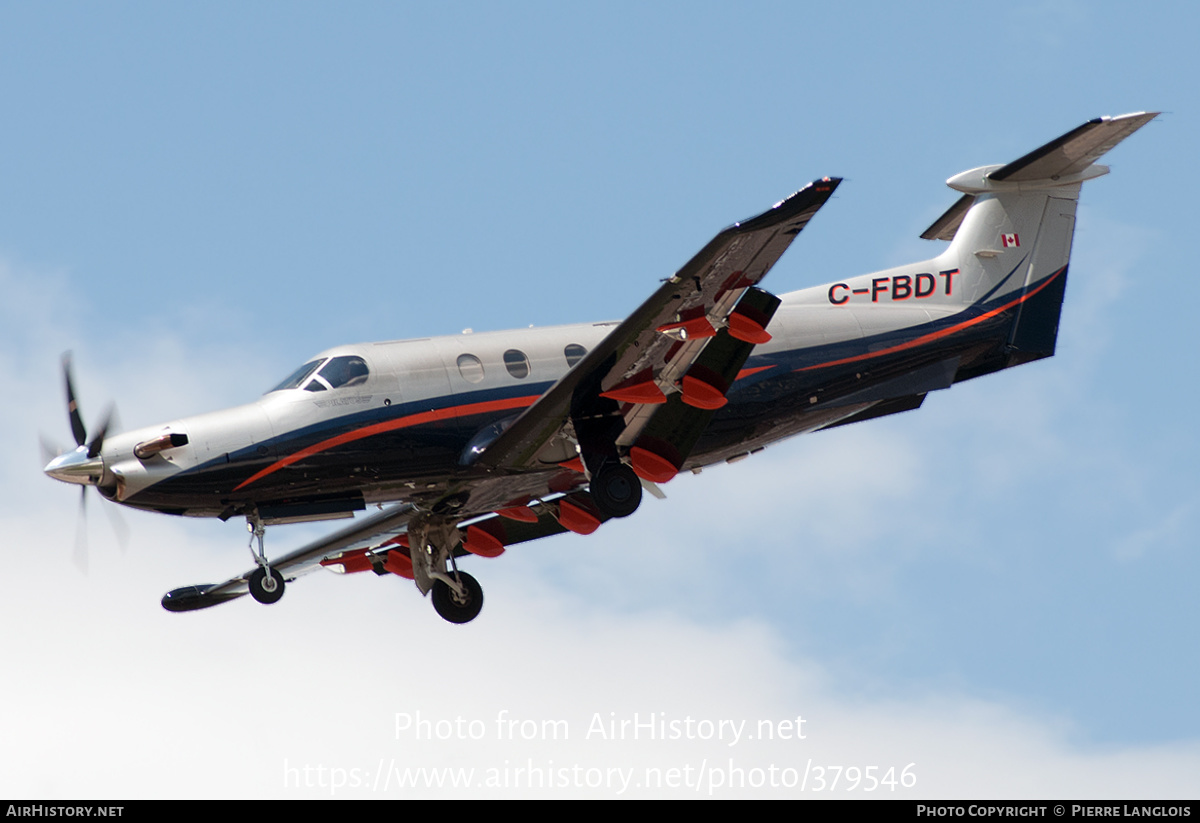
(649, 358)
(370, 532)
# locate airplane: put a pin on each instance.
(473, 443)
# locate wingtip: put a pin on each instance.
(814, 193)
(193, 598)
(824, 185)
(1140, 118)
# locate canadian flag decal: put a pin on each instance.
(1010, 240)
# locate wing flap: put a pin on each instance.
(661, 439)
(573, 512)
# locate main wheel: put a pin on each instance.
(616, 490)
(264, 588)
(454, 608)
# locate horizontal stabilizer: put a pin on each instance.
(945, 226)
(1067, 160)
(1075, 150)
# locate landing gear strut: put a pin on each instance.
(266, 584)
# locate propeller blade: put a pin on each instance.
(77, 427)
(97, 442)
(80, 555)
(50, 449)
(119, 526)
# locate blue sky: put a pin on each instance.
(999, 588)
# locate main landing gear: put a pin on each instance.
(266, 584)
(458, 604)
(457, 596)
(616, 490)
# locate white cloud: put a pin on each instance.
(108, 696)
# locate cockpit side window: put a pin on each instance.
(343, 372)
(296, 378)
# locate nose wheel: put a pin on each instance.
(266, 585)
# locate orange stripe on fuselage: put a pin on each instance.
(522, 402)
(938, 335)
(754, 370)
(387, 426)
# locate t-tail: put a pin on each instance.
(1010, 233)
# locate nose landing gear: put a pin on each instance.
(266, 584)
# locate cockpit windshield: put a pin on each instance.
(334, 373)
(298, 376)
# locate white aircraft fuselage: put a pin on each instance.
(487, 440)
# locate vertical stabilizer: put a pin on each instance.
(1011, 230)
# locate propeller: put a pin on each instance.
(84, 466)
(96, 444)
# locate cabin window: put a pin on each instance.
(517, 363)
(470, 367)
(574, 353)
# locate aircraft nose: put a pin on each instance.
(76, 467)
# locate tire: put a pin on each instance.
(450, 607)
(263, 591)
(616, 490)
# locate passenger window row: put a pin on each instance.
(516, 362)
